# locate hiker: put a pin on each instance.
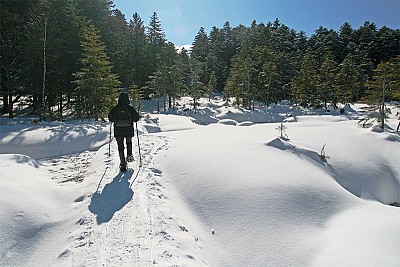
(123, 115)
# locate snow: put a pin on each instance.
(218, 186)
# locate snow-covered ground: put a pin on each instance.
(217, 187)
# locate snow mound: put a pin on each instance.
(172, 123)
(203, 118)
(280, 143)
(290, 119)
(369, 231)
(256, 116)
(48, 140)
(245, 123)
(284, 144)
(378, 181)
(32, 210)
(228, 122)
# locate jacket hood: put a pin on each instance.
(123, 99)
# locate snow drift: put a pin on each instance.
(232, 193)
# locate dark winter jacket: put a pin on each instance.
(123, 102)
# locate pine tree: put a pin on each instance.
(155, 33)
(212, 85)
(304, 85)
(16, 62)
(324, 41)
(117, 43)
(156, 40)
(395, 78)
(228, 51)
(136, 61)
(346, 38)
(387, 45)
(326, 81)
(62, 54)
(178, 78)
(267, 83)
(270, 87)
(365, 38)
(240, 82)
(200, 46)
(195, 87)
(348, 80)
(215, 61)
(383, 86)
(96, 84)
(136, 94)
(200, 52)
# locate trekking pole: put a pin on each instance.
(109, 142)
(138, 143)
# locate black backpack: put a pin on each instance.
(123, 116)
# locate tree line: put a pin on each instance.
(74, 56)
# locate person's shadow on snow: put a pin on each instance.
(112, 198)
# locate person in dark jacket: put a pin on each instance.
(123, 115)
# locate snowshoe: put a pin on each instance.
(130, 158)
(123, 168)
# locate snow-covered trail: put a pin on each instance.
(128, 221)
(118, 228)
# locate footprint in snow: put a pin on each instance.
(156, 171)
(183, 228)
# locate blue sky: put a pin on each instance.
(182, 19)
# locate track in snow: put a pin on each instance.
(129, 223)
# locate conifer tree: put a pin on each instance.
(304, 85)
(62, 54)
(178, 79)
(348, 80)
(155, 33)
(324, 41)
(117, 44)
(15, 56)
(136, 60)
(136, 95)
(383, 86)
(200, 46)
(395, 77)
(156, 40)
(241, 79)
(155, 86)
(346, 38)
(212, 85)
(268, 75)
(365, 38)
(326, 81)
(97, 85)
(195, 87)
(200, 52)
(215, 60)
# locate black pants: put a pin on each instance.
(121, 148)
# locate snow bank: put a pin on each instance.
(33, 212)
(245, 186)
(365, 235)
(48, 140)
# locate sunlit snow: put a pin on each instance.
(219, 186)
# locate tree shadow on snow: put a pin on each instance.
(112, 198)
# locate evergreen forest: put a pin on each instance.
(71, 58)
